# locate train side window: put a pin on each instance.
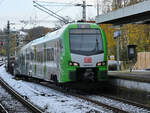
(45, 55)
(61, 45)
(52, 54)
(20, 58)
(38, 57)
(35, 57)
(41, 57)
(28, 58)
(48, 54)
(32, 56)
(23, 59)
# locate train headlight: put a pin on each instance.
(98, 64)
(73, 64)
(101, 63)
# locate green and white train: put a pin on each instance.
(77, 52)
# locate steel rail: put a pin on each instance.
(28, 104)
(2, 109)
(2, 64)
(114, 109)
(126, 101)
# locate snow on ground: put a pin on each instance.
(121, 105)
(48, 99)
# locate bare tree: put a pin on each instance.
(106, 6)
(37, 32)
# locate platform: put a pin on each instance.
(138, 13)
(140, 76)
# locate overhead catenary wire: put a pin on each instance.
(44, 8)
(70, 3)
(46, 3)
(50, 12)
(63, 6)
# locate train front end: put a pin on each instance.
(85, 54)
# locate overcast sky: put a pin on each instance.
(16, 10)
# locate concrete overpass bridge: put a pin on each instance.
(138, 13)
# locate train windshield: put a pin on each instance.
(86, 41)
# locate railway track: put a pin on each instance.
(126, 101)
(82, 97)
(12, 102)
(2, 109)
(114, 109)
(142, 108)
(128, 107)
(1, 64)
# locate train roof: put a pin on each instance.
(53, 35)
(47, 37)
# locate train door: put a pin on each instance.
(27, 62)
(57, 57)
(45, 62)
(23, 64)
(39, 61)
(34, 62)
(31, 67)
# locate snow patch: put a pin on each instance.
(49, 99)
